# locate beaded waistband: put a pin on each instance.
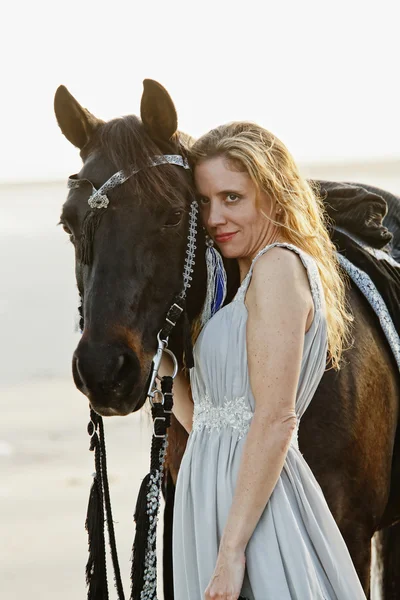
(234, 413)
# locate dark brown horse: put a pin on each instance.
(349, 434)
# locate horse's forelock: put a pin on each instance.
(125, 143)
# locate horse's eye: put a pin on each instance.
(174, 218)
(67, 230)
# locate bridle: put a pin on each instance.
(144, 571)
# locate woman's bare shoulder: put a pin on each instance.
(279, 275)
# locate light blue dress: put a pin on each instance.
(296, 551)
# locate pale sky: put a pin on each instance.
(323, 76)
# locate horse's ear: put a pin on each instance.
(76, 122)
(158, 111)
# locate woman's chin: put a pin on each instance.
(229, 251)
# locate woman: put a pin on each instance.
(249, 517)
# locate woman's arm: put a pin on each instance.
(279, 301)
(183, 403)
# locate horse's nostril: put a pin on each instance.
(124, 368)
(77, 374)
(120, 362)
(79, 371)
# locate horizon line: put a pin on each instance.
(360, 163)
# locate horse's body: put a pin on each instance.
(349, 434)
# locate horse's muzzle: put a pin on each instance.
(108, 374)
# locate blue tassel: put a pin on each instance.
(216, 284)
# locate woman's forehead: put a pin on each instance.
(218, 174)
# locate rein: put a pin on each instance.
(144, 556)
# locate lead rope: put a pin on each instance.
(99, 500)
(144, 553)
(110, 522)
(96, 571)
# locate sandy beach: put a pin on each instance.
(46, 474)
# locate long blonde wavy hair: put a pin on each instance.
(303, 218)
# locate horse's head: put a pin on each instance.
(130, 255)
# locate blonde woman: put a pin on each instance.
(250, 519)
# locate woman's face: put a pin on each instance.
(228, 207)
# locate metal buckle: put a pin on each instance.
(173, 323)
(158, 435)
(167, 394)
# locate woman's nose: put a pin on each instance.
(216, 215)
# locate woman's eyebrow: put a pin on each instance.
(239, 192)
(230, 191)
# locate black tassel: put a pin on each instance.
(141, 519)
(96, 571)
(89, 226)
(108, 511)
(187, 341)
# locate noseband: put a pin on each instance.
(144, 559)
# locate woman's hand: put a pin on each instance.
(226, 582)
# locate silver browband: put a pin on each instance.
(98, 198)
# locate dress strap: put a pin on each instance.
(308, 262)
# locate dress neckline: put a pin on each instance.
(238, 299)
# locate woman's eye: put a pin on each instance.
(232, 197)
(202, 201)
(174, 218)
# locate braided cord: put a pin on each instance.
(190, 250)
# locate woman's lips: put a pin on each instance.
(225, 237)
